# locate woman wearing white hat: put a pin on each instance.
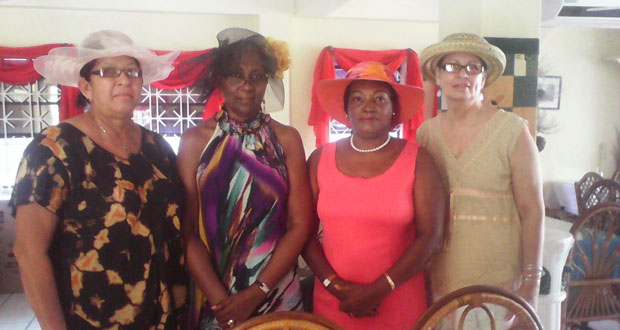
(98, 236)
(490, 162)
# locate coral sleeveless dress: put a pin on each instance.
(367, 225)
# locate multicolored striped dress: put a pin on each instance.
(243, 185)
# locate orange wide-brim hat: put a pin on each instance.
(331, 92)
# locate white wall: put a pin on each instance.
(311, 35)
(589, 105)
(181, 31)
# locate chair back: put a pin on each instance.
(582, 186)
(616, 176)
(602, 191)
(288, 321)
(593, 283)
(479, 296)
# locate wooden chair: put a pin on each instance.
(593, 283)
(582, 186)
(479, 296)
(602, 191)
(288, 321)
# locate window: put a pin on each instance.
(28, 109)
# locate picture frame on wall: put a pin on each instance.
(548, 92)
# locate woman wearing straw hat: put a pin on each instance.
(380, 202)
(489, 160)
(249, 202)
(98, 237)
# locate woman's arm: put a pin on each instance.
(430, 201)
(35, 228)
(313, 252)
(197, 256)
(527, 190)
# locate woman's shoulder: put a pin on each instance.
(510, 117)
(282, 129)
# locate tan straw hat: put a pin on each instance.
(62, 65)
(493, 57)
(331, 92)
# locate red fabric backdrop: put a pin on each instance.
(16, 69)
(347, 58)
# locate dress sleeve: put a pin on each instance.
(515, 126)
(41, 178)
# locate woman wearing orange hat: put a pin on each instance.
(380, 202)
(490, 162)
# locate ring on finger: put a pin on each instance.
(230, 323)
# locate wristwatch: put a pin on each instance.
(263, 287)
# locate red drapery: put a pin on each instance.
(16, 69)
(347, 58)
(16, 63)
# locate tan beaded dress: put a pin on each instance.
(483, 244)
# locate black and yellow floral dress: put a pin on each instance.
(117, 252)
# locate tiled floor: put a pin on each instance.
(16, 314)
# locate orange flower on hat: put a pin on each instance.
(282, 54)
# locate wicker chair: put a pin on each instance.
(479, 296)
(288, 321)
(593, 283)
(602, 191)
(582, 186)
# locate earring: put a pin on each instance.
(438, 92)
(393, 113)
(262, 106)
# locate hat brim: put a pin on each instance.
(331, 98)
(62, 65)
(493, 57)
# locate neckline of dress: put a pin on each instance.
(475, 141)
(394, 164)
(249, 125)
(142, 142)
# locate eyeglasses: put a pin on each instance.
(116, 72)
(469, 68)
(237, 78)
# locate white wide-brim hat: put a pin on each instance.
(62, 65)
(493, 57)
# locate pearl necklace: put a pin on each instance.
(372, 149)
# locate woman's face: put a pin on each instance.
(370, 107)
(244, 87)
(113, 95)
(460, 85)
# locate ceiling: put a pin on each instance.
(593, 13)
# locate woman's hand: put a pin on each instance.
(358, 300)
(238, 307)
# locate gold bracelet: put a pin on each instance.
(390, 281)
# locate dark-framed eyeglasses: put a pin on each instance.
(237, 78)
(471, 68)
(110, 72)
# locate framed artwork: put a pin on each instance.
(548, 92)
